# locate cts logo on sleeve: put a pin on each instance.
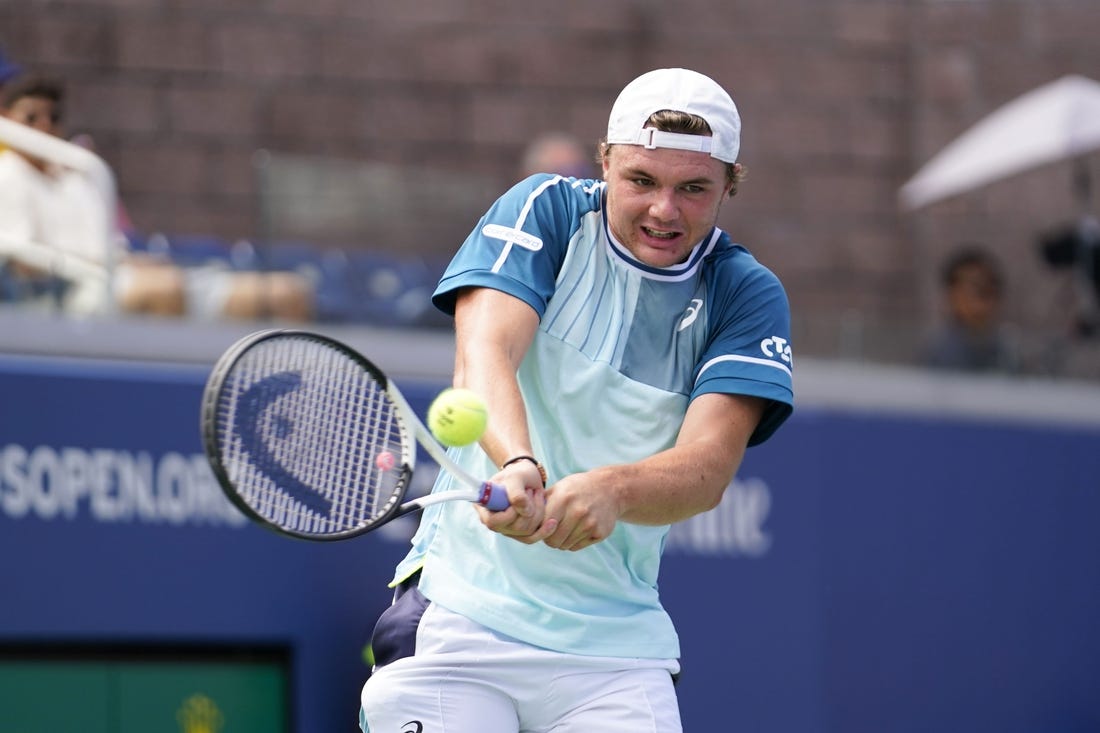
(776, 346)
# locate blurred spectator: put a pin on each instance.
(558, 152)
(29, 188)
(972, 336)
(46, 207)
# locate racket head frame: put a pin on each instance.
(212, 440)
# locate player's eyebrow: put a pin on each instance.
(635, 171)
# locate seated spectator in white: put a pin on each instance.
(50, 208)
(972, 336)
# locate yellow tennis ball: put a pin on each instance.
(457, 417)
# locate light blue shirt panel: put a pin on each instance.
(618, 313)
(618, 420)
(593, 601)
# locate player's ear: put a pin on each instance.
(736, 173)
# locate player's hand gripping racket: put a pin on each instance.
(309, 438)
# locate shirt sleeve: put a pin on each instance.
(518, 245)
(749, 351)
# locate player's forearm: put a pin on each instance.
(690, 477)
(493, 332)
(506, 435)
(671, 486)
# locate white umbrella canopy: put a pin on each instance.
(1057, 121)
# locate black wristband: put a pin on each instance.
(532, 459)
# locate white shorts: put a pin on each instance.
(465, 678)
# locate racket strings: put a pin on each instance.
(305, 434)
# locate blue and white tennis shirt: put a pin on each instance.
(621, 350)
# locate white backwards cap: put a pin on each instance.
(679, 90)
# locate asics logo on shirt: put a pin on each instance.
(691, 314)
(417, 727)
(776, 346)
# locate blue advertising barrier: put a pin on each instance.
(866, 571)
(922, 575)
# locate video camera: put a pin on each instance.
(1077, 246)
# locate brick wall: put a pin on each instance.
(842, 101)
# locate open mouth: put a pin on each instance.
(660, 234)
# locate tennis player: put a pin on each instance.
(629, 352)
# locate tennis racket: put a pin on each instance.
(308, 438)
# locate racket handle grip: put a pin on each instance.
(494, 497)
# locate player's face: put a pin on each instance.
(661, 203)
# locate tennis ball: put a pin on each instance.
(457, 417)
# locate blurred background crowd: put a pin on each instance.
(320, 161)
